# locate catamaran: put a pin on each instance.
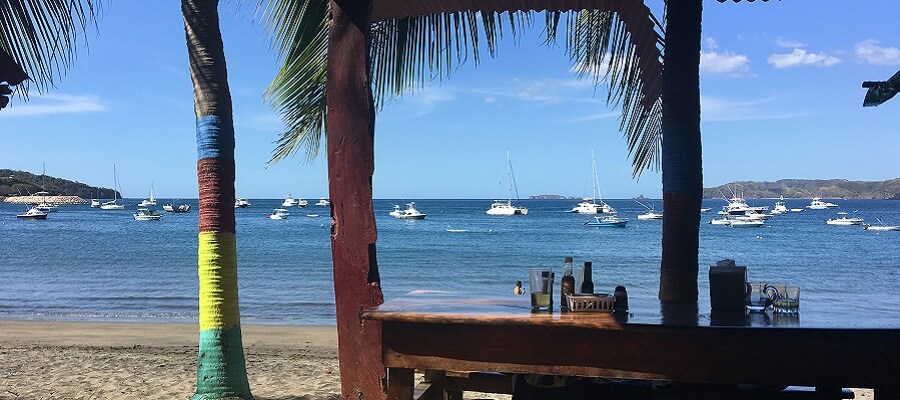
(590, 204)
(500, 207)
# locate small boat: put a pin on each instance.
(651, 214)
(95, 203)
(797, 210)
(780, 208)
(33, 213)
(500, 207)
(323, 202)
(279, 213)
(705, 209)
(146, 214)
(396, 212)
(720, 221)
(608, 221)
(302, 203)
(289, 201)
(241, 203)
(738, 223)
(149, 202)
(112, 205)
(844, 220)
(409, 213)
(47, 207)
(457, 230)
(169, 207)
(818, 204)
(312, 215)
(881, 226)
(589, 205)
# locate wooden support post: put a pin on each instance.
(401, 382)
(436, 379)
(350, 130)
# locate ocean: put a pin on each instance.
(91, 265)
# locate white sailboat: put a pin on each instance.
(500, 207)
(151, 202)
(113, 204)
(590, 205)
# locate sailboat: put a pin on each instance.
(113, 204)
(590, 205)
(500, 207)
(148, 202)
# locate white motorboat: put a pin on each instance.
(720, 221)
(780, 208)
(95, 203)
(169, 207)
(279, 213)
(241, 203)
(146, 214)
(500, 207)
(47, 207)
(323, 202)
(818, 204)
(705, 209)
(738, 206)
(33, 213)
(738, 223)
(114, 203)
(797, 210)
(844, 220)
(608, 221)
(409, 213)
(289, 201)
(651, 214)
(396, 212)
(302, 203)
(590, 204)
(881, 226)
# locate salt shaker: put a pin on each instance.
(621, 304)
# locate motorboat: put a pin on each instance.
(279, 213)
(844, 220)
(818, 204)
(169, 207)
(797, 209)
(323, 202)
(396, 212)
(506, 208)
(720, 221)
(608, 221)
(501, 207)
(590, 205)
(739, 223)
(302, 203)
(33, 213)
(780, 208)
(95, 203)
(705, 209)
(738, 206)
(409, 213)
(47, 207)
(146, 214)
(241, 203)
(289, 201)
(651, 214)
(881, 226)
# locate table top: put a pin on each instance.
(449, 307)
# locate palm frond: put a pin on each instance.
(605, 48)
(42, 36)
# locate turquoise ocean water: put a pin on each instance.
(88, 264)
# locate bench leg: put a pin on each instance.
(436, 380)
(400, 383)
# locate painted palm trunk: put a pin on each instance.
(682, 172)
(221, 368)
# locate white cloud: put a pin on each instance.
(717, 109)
(873, 54)
(53, 104)
(594, 117)
(490, 99)
(420, 102)
(721, 63)
(711, 43)
(788, 44)
(802, 57)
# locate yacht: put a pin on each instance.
(146, 214)
(608, 221)
(738, 223)
(738, 206)
(396, 212)
(501, 207)
(33, 213)
(844, 220)
(818, 204)
(44, 205)
(112, 205)
(590, 205)
(302, 203)
(651, 214)
(409, 213)
(95, 203)
(289, 201)
(279, 213)
(780, 208)
(323, 202)
(241, 203)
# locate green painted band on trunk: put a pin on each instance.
(221, 368)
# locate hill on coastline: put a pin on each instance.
(16, 183)
(807, 188)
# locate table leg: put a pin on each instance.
(436, 383)
(400, 383)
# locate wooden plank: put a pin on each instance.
(350, 130)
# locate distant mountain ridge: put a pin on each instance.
(16, 183)
(807, 188)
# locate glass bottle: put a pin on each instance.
(587, 287)
(567, 285)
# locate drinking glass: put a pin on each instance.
(760, 296)
(788, 300)
(541, 280)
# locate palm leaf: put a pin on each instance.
(42, 35)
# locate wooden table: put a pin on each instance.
(428, 330)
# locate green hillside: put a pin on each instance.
(805, 188)
(15, 183)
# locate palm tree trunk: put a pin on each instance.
(682, 168)
(221, 368)
(350, 126)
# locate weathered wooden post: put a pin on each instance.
(350, 130)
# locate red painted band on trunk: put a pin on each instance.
(215, 179)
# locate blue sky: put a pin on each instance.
(780, 85)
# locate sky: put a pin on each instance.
(780, 89)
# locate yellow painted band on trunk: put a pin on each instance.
(217, 270)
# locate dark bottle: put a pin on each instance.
(587, 287)
(567, 285)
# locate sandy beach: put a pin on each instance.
(117, 360)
